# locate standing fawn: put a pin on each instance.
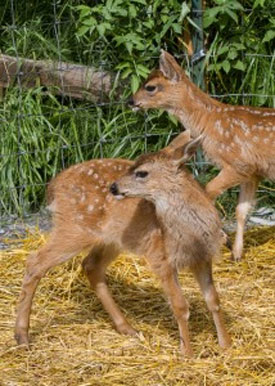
(238, 139)
(181, 228)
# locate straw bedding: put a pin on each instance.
(74, 343)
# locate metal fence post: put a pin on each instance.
(197, 41)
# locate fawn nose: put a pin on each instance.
(131, 102)
(114, 189)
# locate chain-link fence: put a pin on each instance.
(50, 119)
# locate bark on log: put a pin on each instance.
(73, 80)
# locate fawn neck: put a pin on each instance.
(183, 205)
(194, 107)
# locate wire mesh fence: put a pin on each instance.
(45, 129)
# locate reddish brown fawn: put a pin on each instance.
(169, 220)
(238, 139)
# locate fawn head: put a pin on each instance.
(163, 88)
(154, 173)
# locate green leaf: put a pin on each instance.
(226, 66)
(173, 119)
(90, 21)
(222, 50)
(232, 54)
(82, 30)
(126, 73)
(184, 11)
(134, 83)
(142, 70)
(269, 35)
(239, 66)
(193, 24)
(258, 3)
(232, 15)
(132, 11)
(207, 21)
(177, 28)
(101, 29)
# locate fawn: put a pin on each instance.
(171, 231)
(238, 139)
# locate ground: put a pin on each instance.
(74, 342)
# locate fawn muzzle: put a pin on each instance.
(115, 191)
(131, 103)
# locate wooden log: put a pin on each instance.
(73, 80)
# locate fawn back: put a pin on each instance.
(82, 205)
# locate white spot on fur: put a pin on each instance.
(90, 172)
(218, 126)
(90, 208)
(95, 176)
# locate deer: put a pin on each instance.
(92, 212)
(240, 140)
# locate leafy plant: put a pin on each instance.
(136, 30)
(241, 45)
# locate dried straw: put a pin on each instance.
(74, 343)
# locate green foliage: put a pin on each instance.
(135, 30)
(241, 42)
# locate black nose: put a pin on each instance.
(114, 189)
(131, 102)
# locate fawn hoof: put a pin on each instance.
(187, 352)
(236, 256)
(126, 329)
(22, 339)
(225, 342)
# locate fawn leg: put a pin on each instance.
(94, 266)
(168, 278)
(245, 204)
(227, 178)
(203, 274)
(50, 255)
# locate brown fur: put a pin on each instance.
(87, 216)
(239, 139)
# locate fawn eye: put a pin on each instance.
(150, 88)
(141, 174)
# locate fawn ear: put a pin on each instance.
(169, 67)
(177, 142)
(185, 152)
